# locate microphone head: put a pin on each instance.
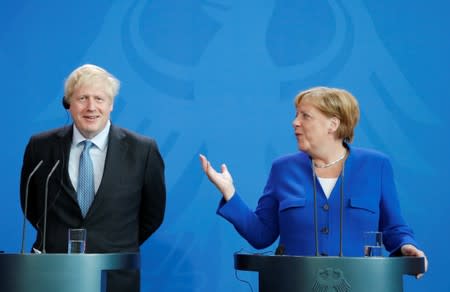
(280, 250)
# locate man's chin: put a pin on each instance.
(89, 132)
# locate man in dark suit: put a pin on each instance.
(128, 195)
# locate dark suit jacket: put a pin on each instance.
(128, 206)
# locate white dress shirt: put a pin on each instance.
(327, 185)
(97, 152)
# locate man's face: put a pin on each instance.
(90, 107)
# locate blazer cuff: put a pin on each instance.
(397, 252)
(225, 208)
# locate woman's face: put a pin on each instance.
(312, 128)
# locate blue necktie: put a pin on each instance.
(86, 188)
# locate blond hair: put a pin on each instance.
(89, 74)
(334, 102)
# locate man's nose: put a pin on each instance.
(90, 103)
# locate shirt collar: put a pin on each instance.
(100, 140)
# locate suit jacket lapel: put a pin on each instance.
(66, 135)
(115, 153)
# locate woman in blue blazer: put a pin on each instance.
(328, 185)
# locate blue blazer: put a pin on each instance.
(286, 208)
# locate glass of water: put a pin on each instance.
(77, 240)
(373, 244)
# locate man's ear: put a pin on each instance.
(111, 108)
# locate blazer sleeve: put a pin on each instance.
(259, 227)
(396, 232)
(153, 202)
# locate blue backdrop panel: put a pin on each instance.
(218, 77)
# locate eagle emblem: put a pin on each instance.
(330, 280)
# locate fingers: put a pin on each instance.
(224, 169)
(204, 162)
(411, 250)
(223, 180)
(226, 173)
(208, 169)
(206, 165)
(426, 264)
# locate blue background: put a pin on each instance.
(218, 77)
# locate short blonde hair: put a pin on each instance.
(334, 102)
(89, 74)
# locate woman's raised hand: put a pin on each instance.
(222, 180)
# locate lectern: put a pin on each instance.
(61, 272)
(318, 274)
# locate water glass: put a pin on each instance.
(77, 240)
(373, 244)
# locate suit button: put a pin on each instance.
(326, 207)
(324, 230)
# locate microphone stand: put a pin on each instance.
(25, 211)
(341, 212)
(341, 221)
(316, 233)
(44, 233)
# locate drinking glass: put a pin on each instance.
(373, 244)
(77, 240)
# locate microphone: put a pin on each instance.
(26, 204)
(44, 233)
(279, 250)
(341, 214)
(316, 233)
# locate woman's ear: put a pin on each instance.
(333, 125)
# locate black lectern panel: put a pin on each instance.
(61, 272)
(317, 274)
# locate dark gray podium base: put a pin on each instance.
(319, 274)
(61, 272)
